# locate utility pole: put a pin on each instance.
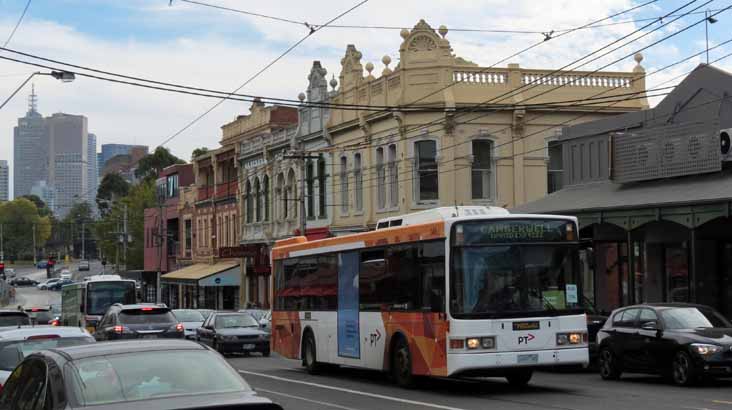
(35, 261)
(83, 241)
(126, 236)
(162, 236)
(2, 252)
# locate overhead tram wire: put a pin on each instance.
(569, 121)
(440, 122)
(258, 73)
(20, 20)
(272, 100)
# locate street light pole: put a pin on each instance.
(83, 241)
(63, 76)
(35, 261)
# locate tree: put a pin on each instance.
(198, 151)
(111, 188)
(150, 165)
(140, 197)
(19, 219)
(80, 219)
(43, 210)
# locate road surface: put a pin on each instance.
(285, 382)
(30, 296)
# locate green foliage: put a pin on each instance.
(150, 165)
(19, 217)
(198, 151)
(43, 210)
(140, 197)
(111, 188)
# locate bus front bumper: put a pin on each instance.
(499, 363)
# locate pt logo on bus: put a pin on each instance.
(525, 339)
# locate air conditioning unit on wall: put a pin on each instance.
(725, 139)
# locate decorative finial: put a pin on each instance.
(369, 67)
(638, 57)
(333, 82)
(301, 97)
(404, 33)
(442, 30)
(386, 60)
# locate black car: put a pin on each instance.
(11, 317)
(682, 341)
(141, 321)
(233, 333)
(23, 281)
(155, 375)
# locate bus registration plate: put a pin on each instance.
(528, 359)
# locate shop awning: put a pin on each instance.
(228, 277)
(199, 271)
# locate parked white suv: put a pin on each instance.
(44, 285)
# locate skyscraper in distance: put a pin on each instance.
(4, 183)
(30, 149)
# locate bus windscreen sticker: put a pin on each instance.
(571, 293)
(349, 339)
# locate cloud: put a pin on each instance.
(220, 50)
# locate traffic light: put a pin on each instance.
(2, 270)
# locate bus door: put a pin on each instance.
(349, 335)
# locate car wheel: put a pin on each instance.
(610, 368)
(519, 378)
(682, 370)
(401, 364)
(309, 355)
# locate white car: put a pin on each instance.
(83, 265)
(17, 343)
(47, 283)
(65, 274)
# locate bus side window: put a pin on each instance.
(401, 265)
(82, 300)
(431, 259)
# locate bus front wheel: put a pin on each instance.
(401, 364)
(309, 356)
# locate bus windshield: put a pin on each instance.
(102, 295)
(491, 279)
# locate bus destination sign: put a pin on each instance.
(513, 231)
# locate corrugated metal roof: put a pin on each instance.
(199, 270)
(608, 195)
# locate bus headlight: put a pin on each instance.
(573, 338)
(472, 343)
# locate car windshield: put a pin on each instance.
(146, 375)
(141, 316)
(513, 280)
(205, 313)
(14, 319)
(12, 353)
(692, 318)
(256, 313)
(231, 321)
(188, 315)
(102, 295)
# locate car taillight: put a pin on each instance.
(179, 327)
(146, 309)
(55, 322)
(36, 337)
(118, 329)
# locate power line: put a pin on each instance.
(258, 73)
(20, 20)
(533, 84)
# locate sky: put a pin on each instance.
(211, 48)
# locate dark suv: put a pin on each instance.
(140, 321)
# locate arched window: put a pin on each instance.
(258, 198)
(344, 185)
(310, 186)
(380, 179)
(555, 167)
(281, 198)
(249, 203)
(291, 189)
(322, 177)
(427, 178)
(358, 181)
(482, 169)
(393, 177)
(265, 193)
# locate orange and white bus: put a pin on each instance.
(377, 299)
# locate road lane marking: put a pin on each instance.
(322, 403)
(721, 402)
(344, 390)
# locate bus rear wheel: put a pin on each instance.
(309, 356)
(519, 378)
(401, 364)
